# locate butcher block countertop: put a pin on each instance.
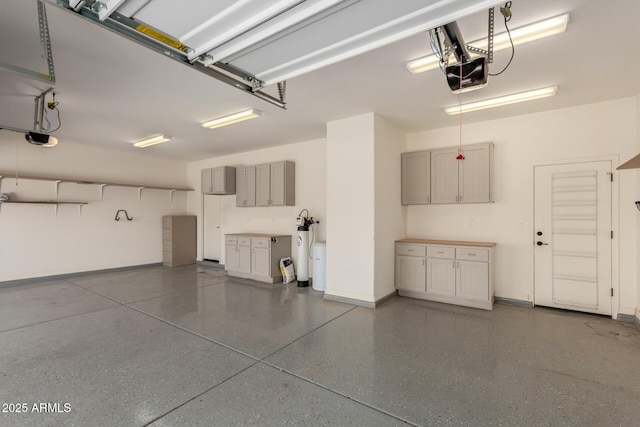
(447, 242)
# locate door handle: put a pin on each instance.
(539, 243)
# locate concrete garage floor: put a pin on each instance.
(191, 346)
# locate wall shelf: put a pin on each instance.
(54, 203)
(102, 185)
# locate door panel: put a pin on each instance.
(572, 262)
(441, 276)
(212, 236)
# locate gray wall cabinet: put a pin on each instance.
(437, 177)
(275, 184)
(246, 186)
(462, 181)
(416, 178)
(220, 180)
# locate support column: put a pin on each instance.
(364, 214)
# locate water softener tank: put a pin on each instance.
(303, 255)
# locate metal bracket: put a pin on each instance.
(45, 43)
(491, 27)
(174, 49)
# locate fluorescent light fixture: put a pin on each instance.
(153, 140)
(521, 35)
(502, 100)
(232, 118)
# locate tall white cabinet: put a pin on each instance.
(446, 271)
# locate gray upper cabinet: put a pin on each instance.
(246, 186)
(263, 185)
(416, 178)
(462, 181)
(475, 174)
(275, 184)
(220, 180)
(444, 175)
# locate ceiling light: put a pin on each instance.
(521, 35)
(153, 140)
(232, 118)
(503, 100)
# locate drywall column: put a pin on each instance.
(637, 172)
(364, 216)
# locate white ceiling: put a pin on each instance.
(113, 91)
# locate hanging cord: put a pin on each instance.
(460, 155)
(506, 12)
(53, 105)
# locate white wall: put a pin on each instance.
(311, 169)
(350, 208)
(582, 132)
(36, 242)
(636, 172)
(390, 215)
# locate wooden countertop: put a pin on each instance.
(257, 235)
(447, 242)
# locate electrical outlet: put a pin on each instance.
(520, 224)
(472, 223)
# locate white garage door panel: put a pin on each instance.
(300, 35)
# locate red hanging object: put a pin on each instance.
(460, 154)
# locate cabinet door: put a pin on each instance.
(246, 186)
(218, 180)
(473, 280)
(244, 259)
(410, 273)
(444, 175)
(206, 186)
(263, 185)
(416, 178)
(474, 174)
(441, 276)
(260, 262)
(231, 258)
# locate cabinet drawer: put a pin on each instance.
(472, 254)
(260, 242)
(231, 240)
(411, 250)
(441, 252)
(244, 241)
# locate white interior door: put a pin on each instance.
(212, 227)
(572, 236)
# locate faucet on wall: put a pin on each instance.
(125, 214)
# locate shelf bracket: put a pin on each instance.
(80, 210)
(171, 196)
(55, 207)
(140, 192)
(57, 184)
(102, 190)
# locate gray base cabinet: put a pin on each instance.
(178, 240)
(256, 256)
(446, 271)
